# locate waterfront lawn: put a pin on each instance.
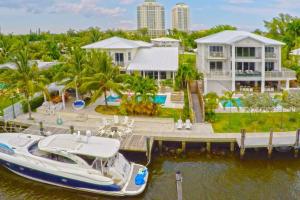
(258, 122)
(163, 112)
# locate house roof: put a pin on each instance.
(155, 59)
(89, 146)
(296, 52)
(231, 37)
(164, 39)
(117, 43)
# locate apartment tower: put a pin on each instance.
(151, 15)
(181, 17)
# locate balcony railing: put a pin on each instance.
(270, 55)
(216, 54)
(218, 75)
(248, 73)
(284, 73)
(119, 63)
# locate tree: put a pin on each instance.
(71, 74)
(101, 76)
(282, 101)
(26, 78)
(211, 103)
(186, 73)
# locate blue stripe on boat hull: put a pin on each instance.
(58, 180)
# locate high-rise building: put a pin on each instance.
(181, 17)
(151, 15)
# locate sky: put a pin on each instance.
(21, 16)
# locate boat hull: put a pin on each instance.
(51, 179)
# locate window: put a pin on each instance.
(218, 49)
(88, 159)
(119, 57)
(243, 66)
(270, 66)
(245, 51)
(163, 75)
(215, 66)
(129, 56)
(270, 49)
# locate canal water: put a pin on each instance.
(220, 175)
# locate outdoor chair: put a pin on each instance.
(125, 121)
(188, 124)
(179, 124)
(116, 119)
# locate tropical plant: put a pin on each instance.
(211, 103)
(282, 101)
(26, 78)
(73, 71)
(228, 100)
(101, 76)
(186, 73)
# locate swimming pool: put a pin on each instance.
(230, 105)
(159, 99)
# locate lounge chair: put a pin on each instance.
(131, 124)
(188, 124)
(179, 124)
(125, 121)
(116, 119)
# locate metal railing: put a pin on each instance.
(270, 55)
(218, 74)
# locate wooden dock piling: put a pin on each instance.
(270, 146)
(296, 147)
(160, 146)
(72, 129)
(179, 185)
(232, 144)
(208, 147)
(183, 147)
(41, 128)
(242, 149)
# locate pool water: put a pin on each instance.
(230, 105)
(158, 99)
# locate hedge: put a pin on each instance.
(34, 103)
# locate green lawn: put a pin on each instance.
(260, 122)
(164, 112)
(187, 58)
(4, 102)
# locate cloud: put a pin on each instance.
(126, 2)
(30, 6)
(87, 8)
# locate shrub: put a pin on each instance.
(186, 107)
(34, 103)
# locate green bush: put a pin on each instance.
(186, 107)
(34, 103)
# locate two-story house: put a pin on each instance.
(138, 56)
(241, 61)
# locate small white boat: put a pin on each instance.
(90, 164)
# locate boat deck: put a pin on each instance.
(132, 187)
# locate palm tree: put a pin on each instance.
(72, 73)
(101, 76)
(228, 99)
(211, 103)
(26, 78)
(186, 72)
(282, 101)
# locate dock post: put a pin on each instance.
(296, 147)
(270, 146)
(208, 147)
(183, 146)
(72, 129)
(160, 146)
(242, 149)
(41, 128)
(148, 153)
(179, 185)
(232, 146)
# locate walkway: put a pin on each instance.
(197, 108)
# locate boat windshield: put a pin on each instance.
(34, 150)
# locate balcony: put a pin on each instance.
(213, 54)
(218, 75)
(270, 55)
(119, 63)
(283, 74)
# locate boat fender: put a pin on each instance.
(140, 177)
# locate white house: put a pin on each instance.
(241, 61)
(138, 56)
(165, 42)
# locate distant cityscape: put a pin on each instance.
(151, 16)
